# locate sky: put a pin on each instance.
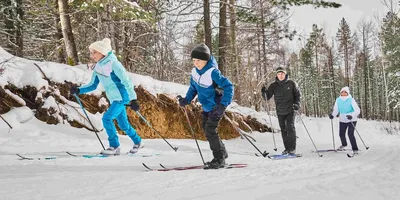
(374, 174)
(328, 18)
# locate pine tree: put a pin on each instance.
(344, 37)
(390, 38)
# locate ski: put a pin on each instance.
(163, 168)
(325, 150)
(331, 150)
(21, 157)
(284, 156)
(98, 155)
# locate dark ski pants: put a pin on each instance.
(210, 129)
(342, 133)
(288, 130)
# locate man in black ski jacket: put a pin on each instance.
(287, 100)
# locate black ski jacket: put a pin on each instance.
(286, 93)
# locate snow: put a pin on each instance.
(374, 174)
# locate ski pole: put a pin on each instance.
(366, 147)
(301, 119)
(90, 122)
(240, 132)
(194, 135)
(6, 121)
(144, 119)
(270, 121)
(333, 135)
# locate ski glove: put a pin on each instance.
(182, 101)
(134, 105)
(296, 106)
(264, 93)
(349, 117)
(330, 116)
(74, 90)
(218, 112)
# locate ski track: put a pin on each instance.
(372, 175)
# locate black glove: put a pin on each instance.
(330, 116)
(134, 105)
(349, 117)
(218, 112)
(182, 101)
(74, 90)
(264, 93)
(296, 106)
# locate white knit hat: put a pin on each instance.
(103, 46)
(347, 89)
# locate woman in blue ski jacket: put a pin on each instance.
(206, 82)
(119, 90)
(348, 111)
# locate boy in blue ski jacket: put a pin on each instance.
(119, 90)
(348, 111)
(204, 82)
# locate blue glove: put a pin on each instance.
(218, 112)
(134, 105)
(349, 117)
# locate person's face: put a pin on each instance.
(95, 55)
(199, 64)
(343, 93)
(281, 76)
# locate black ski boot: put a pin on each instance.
(215, 163)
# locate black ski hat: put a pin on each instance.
(280, 69)
(201, 51)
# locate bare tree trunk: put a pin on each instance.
(19, 41)
(235, 59)
(317, 77)
(346, 65)
(111, 28)
(222, 36)
(207, 24)
(386, 90)
(72, 55)
(58, 35)
(13, 27)
(264, 52)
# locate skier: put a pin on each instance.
(287, 100)
(119, 90)
(349, 110)
(205, 82)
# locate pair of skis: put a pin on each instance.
(162, 168)
(349, 155)
(23, 157)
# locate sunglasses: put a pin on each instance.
(343, 91)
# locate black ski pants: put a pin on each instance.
(342, 133)
(210, 126)
(288, 130)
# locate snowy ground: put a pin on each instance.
(375, 174)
